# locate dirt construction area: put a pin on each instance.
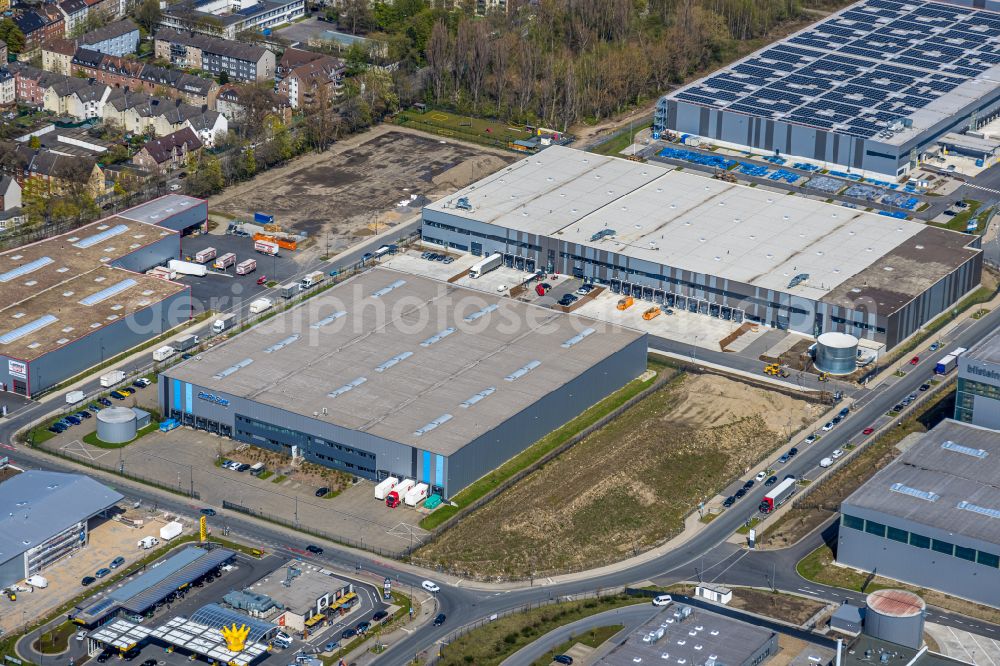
(360, 183)
(607, 498)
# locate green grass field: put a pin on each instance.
(447, 124)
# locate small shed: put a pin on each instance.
(716, 593)
(142, 418)
(847, 619)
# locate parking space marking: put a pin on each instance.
(406, 531)
(76, 447)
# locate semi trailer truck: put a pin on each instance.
(488, 264)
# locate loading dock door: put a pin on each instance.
(647, 293)
(658, 296)
(669, 299)
(727, 312)
(681, 302)
(714, 309)
(519, 263)
(508, 260)
(616, 286)
(738, 316)
(703, 307)
(692, 305)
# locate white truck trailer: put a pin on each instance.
(112, 378)
(246, 267)
(260, 305)
(223, 323)
(267, 247)
(416, 494)
(206, 255)
(224, 262)
(187, 268)
(488, 264)
(384, 486)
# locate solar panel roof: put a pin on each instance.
(865, 67)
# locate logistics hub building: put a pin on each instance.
(932, 517)
(977, 400)
(704, 245)
(871, 88)
(394, 374)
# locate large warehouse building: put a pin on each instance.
(390, 373)
(708, 246)
(72, 301)
(932, 516)
(870, 88)
(45, 518)
(977, 400)
(177, 212)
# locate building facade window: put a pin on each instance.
(919, 541)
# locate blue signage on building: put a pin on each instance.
(218, 400)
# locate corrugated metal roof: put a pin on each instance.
(205, 561)
(216, 617)
(37, 505)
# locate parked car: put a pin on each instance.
(749, 484)
(322, 491)
(898, 407)
(363, 627)
(149, 662)
(740, 493)
(331, 646)
(55, 429)
(562, 659)
(729, 501)
(439, 620)
(94, 407)
(117, 562)
(262, 280)
(662, 600)
(771, 480)
(87, 580)
(350, 632)
(809, 440)
(83, 414)
(314, 549)
(792, 452)
(73, 419)
(760, 476)
(125, 391)
(430, 587)
(934, 347)
(102, 572)
(867, 431)
(783, 459)
(449, 260)
(914, 360)
(117, 395)
(825, 462)
(104, 401)
(837, 453)
(828, 426)
(924, 386)
(104, 656)
(380, 615)
(208, 512)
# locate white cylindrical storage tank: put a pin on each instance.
(896, 616)
(837, 353)
(116, 425)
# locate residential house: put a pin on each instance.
(292, 58)
(8, 88)
(74, 13)
(59, 172)
(120, 72)
(141, 113)
(40, 26)
(229, 102)
(3, 45)
(240, 62)
(80, 99)
(169, 152)
(107, 8)
(57, 56)
(30, 83)
(120, 38)
(228, 18)
(10, 203)
(307, 83)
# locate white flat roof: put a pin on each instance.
(684, 220)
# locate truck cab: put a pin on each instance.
(392, 499)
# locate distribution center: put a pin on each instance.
(977, 399)
(708, 246)
(394, 374)
(870, 88)
(932, 517)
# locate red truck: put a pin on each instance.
(778, 495)
(392, 500)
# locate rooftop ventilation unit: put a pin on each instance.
(982, 510)
(90, 241)
(350, 386)
(603, 233)
(29, 267)
(914, 492)
(234, 368)
(393, 361)
(463, 203)
(27, 329)
(108, 292)
(441, 420)
(578, 338)
(522, 371)
(479, 396)
(967, 450)
(797, 280)
(437, 337)
(481, 313)
(282, 344)
(328, 320)
(385, 290)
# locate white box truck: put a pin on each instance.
(187, 267)
(416, 494)
(37, 581)
(112, 378)
(256, 469)
(260, 305)
(311, 280)
(246, 267)
(384, 486)
(206, 255)
(488, 264)
(148, 542)
(163, 353)
(266, 247)
(171, 530)
(74, 397)
(224, 323)
(289, 290)
(224, 262)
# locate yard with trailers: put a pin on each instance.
(628, 486)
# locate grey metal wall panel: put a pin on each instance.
(157, 253)
(12, 570)
(188, 217)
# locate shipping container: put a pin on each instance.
(224, 323)
(225, 261)
(112, 378)
(384, 486)
(486, 265)
(246, 267)
(206, 255)
(187, 267)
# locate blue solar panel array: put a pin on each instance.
(861, 70)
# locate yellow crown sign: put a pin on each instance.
(235, 638)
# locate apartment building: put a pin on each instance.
(241, 62)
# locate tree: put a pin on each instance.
(355, 59)
(223, 77)
(34, 142)
(357, 15)
(249, 163)
(10, 33)
(147, 15)
(207, 177)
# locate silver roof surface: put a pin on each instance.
(986, 350)
(37, 505)
(689, 640)
(932, 480)
(306, 587)
(161, 208)
(377, 368)
(703, 225)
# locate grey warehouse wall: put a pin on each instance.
(12, 570)
(157, 253)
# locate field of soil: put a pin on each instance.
(357, 184)
(604, 500)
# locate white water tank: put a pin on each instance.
(116, 425)
(837, 353)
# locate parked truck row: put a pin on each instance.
(394, 492)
